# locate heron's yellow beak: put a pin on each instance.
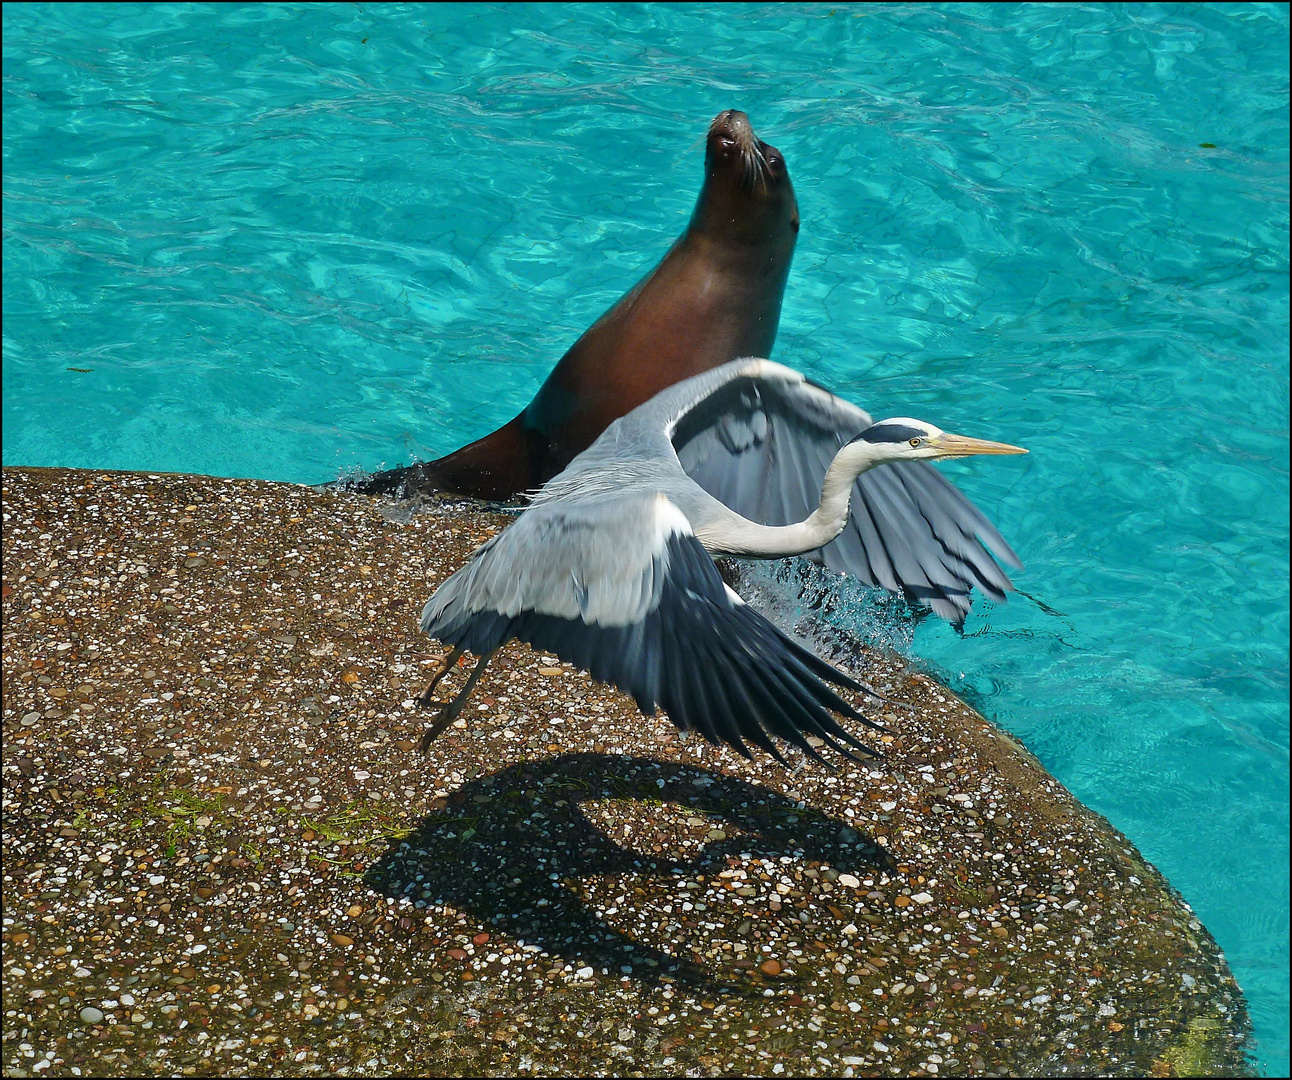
(957, 446)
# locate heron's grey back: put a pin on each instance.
(601, 560)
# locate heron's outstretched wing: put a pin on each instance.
(621, 587)
(762, 444)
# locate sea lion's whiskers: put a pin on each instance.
(755, 164)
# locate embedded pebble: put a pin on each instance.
(218, 826)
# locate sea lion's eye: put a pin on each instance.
(917, 442)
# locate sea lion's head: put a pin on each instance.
(747, 192)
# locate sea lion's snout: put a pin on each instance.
(734, 124)
(732, 141)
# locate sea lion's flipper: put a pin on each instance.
(494, 468)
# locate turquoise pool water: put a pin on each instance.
(290, 241)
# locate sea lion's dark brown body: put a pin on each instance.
(714, 297)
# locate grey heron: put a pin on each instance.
(611, 565)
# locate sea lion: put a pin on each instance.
(714, 297)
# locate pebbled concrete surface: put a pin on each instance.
(223, 853)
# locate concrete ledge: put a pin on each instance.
(223, 853)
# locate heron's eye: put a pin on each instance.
(917, 442)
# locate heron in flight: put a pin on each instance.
(611, 565)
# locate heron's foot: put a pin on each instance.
(448, 714)
(453, 708)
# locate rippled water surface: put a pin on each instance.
(282, 242)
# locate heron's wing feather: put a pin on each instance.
(620, 586)
(761, 444)
(598, 560)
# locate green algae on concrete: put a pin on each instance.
(224, 855)
(1194, 1054)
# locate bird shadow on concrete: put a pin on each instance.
(514, 849)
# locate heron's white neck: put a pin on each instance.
(740, 536)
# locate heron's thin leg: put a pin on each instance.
(450, 711)
(446, 665)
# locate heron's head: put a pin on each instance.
(900, 438)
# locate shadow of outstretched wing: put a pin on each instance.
(513, 850)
